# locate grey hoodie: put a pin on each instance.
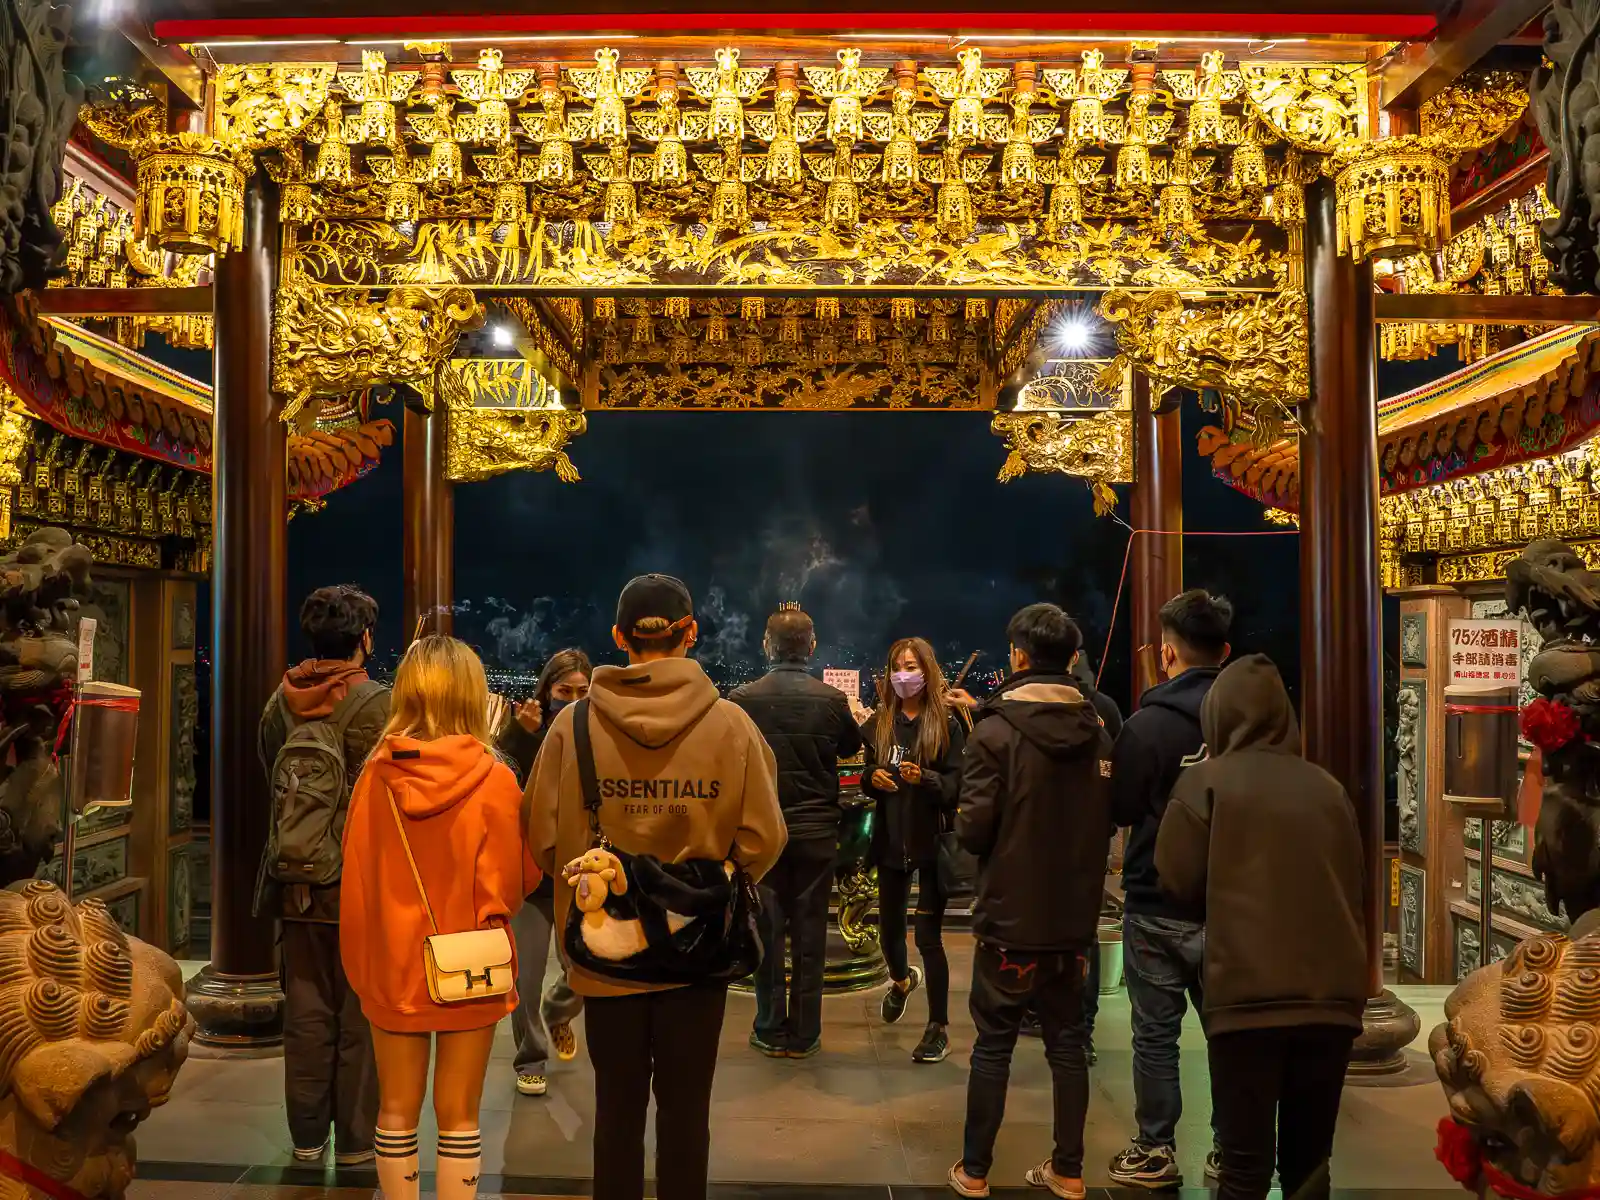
(1269, 842)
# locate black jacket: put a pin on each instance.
(1036, 810)
(1083, 680)
(1150, 754)
(809, 727)
(908, 821)
(521, 747)
(1268, 843)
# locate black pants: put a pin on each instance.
(666, 1041)
(894, 892)
(329, 1074)
(794, 904)
(1275, 1094)
(1004, 987)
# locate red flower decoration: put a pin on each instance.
(1549, 724)
(1458, 1151)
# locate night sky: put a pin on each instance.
(881, 524)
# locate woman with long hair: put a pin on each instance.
(913, 769)
(434, 795)
(564, 681)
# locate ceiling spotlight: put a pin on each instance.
(503, 338)
(1074, 335)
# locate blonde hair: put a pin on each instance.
(439, 690)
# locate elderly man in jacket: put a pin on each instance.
(1036, 810)
(809, 727)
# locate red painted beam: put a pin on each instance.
(1198, 23)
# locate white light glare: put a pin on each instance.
(1074, 335)
(502, 337)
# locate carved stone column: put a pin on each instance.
(1157, 567)
(1341, 627)
(429, 564)
(236, 999)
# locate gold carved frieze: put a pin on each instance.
(330, 343)
(795, 387)
(1252, 351)
(501, 416)
(547, 342)
(786, 253)
(731, 142)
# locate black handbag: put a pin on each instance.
(721, 942)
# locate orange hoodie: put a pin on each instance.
(462, 814)
(313, 688)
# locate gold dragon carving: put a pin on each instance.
(1098, 449)
(1253, 351)
(484, 441)
(329, 343)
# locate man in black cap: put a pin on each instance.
(680, 774)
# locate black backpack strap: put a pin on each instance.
(587, 778)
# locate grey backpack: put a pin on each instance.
(311, 785)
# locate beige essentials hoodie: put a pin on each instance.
(682, 774)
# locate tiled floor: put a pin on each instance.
(859, 1115)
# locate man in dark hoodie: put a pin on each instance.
(1163, 938)
(328, 1070)
(809, 727)
(1036, 810)
(1268, 843)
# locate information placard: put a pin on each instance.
(1485, 654)
(848, 682)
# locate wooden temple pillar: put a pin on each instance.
(1157, 567)
(1341, 625)
(429, 514)
(236, 999)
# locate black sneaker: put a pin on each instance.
(1214, 1163)
(1147, 1167)
(770, 1049)
(934, 1046)
(796, 1050)
(894, 1000)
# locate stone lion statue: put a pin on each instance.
(92, 1033)
(1519, 1058)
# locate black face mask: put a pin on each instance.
(553, 706)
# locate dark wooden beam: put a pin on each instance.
(123, 302)
(99, 176)
(1420, 69)
(1501, 192)
(1490, 310)
(184, 76)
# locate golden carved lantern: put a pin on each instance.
(1394, 198)
(191, 194)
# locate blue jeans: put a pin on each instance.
(1162, 959)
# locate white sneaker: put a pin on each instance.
(311, 1155)
(532, 1085)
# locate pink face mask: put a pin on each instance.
(907, 683)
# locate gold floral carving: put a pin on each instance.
(330, 343)
(1253, 351)
(1477, 109)
(1317, 109)
(792, 386)
(266, 106)
(485, 440)
(787, 253)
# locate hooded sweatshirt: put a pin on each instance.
(461, 809)
(1268, 842)
(1155, 745)
(1036, 810)
(311, 690)
(682, 774)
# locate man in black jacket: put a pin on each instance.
(1163, 938)
(809, 727)
(1268, 844)
(1036, 810)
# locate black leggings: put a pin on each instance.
(894, 892)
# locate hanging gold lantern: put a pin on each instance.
(295, 206)
(510, 204)
(191, 194)
(752, 308)
(1249, 166)
(730, 204)
(717, 328)
(403, 203)
(621, 205)
(1086, 119)
(444, 164)
(827, 308)
(1394, 198)
(864, 326)
(841, 205)
(1066, 203)
(789, 332)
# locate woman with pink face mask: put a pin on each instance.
(914, 743)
